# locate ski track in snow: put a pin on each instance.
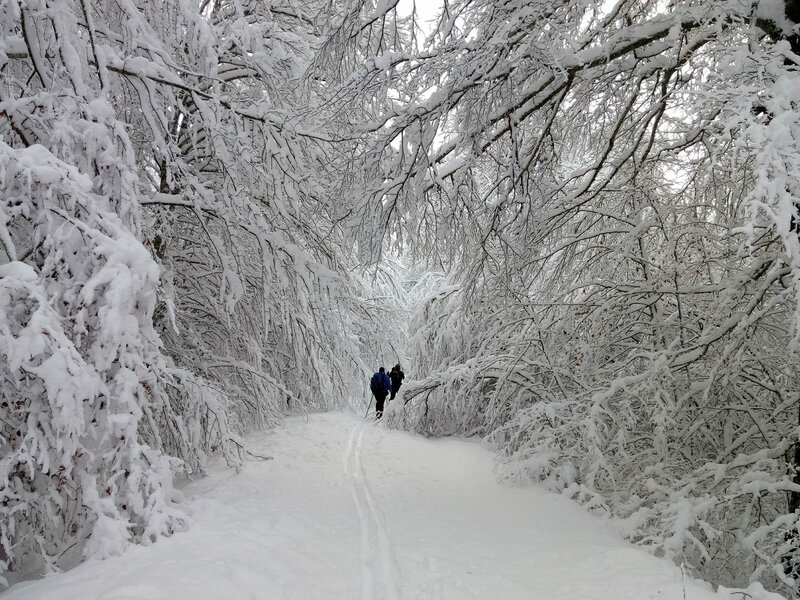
(367, 583)
(373, 530)
(353, 511)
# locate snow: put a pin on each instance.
(349, 509)
(775, 11)
(18, 270)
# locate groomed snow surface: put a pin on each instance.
(348, 509)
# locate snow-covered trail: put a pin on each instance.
(350, 510)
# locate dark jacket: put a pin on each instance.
(396, 376)
(380, 383)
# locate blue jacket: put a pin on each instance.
(380, 382)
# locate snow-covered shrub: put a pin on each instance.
(82, 364)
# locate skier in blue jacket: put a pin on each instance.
(381, 385)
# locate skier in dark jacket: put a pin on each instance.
(381, 385)
(396, 376)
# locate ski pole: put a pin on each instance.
(369, 404)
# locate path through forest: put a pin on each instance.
(352, 510)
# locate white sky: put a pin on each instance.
(427, 11)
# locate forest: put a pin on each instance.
(576, 221)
